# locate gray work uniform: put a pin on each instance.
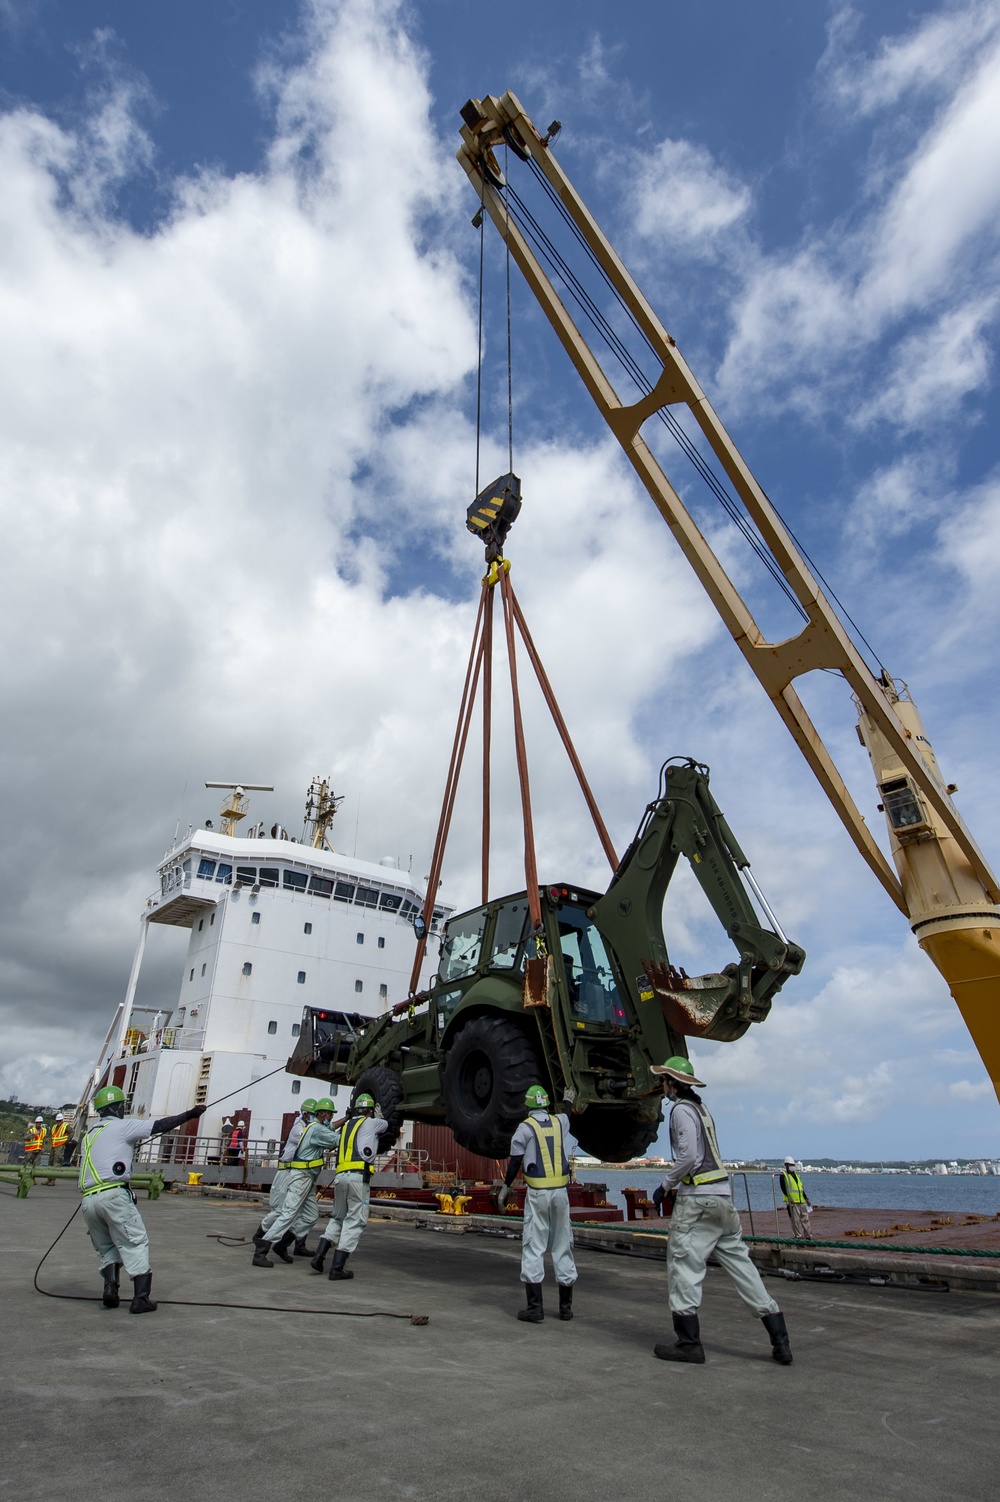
(113, 1222)
(299, 1212)
(358, 1148)
(279, 1184)
(547, 1226)
(704, 1221)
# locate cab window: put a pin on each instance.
(590, 982)
(461, 945)
(508, 934)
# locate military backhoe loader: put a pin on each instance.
(583, 1006)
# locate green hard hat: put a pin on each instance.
(108, 1095)
(536, 1098)
(679, 1069)
(326, 1104)
(364, 1102)
(308, 1106)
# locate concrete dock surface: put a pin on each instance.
(893, 1391)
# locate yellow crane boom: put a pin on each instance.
(942, 881)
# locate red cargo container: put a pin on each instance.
(444, 1155)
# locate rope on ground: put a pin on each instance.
(90, 1298)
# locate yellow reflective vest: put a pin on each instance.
(349, 1159)
(60, 1133)
(792, 1188)
(551, 1156)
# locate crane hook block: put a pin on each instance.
(493, 513)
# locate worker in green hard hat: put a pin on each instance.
(279, 1183)
(538, 1149)
(358, 1146)
(703, 1223)
(110, 1214)
(298, 1210)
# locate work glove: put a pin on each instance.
(569, 1096)
(503, 1195)
(379, 1113)
(657, 1198)
(197, 1113)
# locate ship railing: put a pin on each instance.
(210, 1152)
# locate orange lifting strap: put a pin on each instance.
(481, 667)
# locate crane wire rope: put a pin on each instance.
(557, 262)
(87, 1298)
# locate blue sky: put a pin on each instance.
(239, 297)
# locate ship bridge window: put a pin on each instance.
(268, 876)
(247, 967)
(294, 881)
(381, 941)
(246, 875)
(224, 873)
(361, 938)
(460, 947)
(255, 917)
(383, 992)
(301, 977)
(343, 892)
(320, 886)
(367, 897)
(272, 1027)
(359, 985)
(390, 902)
(307, 928)
(296, 1029)
(408, 908)
(296, 1086)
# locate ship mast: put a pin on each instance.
(321, 806)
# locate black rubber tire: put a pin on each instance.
(387, 1088)
(490, 1065)
(614, 1133)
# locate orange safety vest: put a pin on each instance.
(34, 1139)
(60, 1133)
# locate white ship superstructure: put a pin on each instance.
(276, 925)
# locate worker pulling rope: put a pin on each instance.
(415, 1319)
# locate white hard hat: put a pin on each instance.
(38, 1119)
(60, 1116)
(790, 1159)
(241, 1123)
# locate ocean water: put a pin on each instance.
(949, 1193)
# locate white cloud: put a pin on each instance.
(934, 369)
(935, 56)
(679, 196)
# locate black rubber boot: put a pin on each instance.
(141, 1302)
(534, 1313)
(565, 1301)
(775, 1326)
(112, 1272)
(280, 1248)
(258, 1235)
(688, 1347)
(301, 1250)
(260, 1257)
(317, 1262)
(337, 1268)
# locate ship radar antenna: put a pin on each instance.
(321, 805)
(234, 807)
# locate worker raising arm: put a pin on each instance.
(356, 1152)
(110, 1214)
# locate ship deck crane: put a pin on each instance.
(942, 881)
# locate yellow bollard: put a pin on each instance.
(194, 1178)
